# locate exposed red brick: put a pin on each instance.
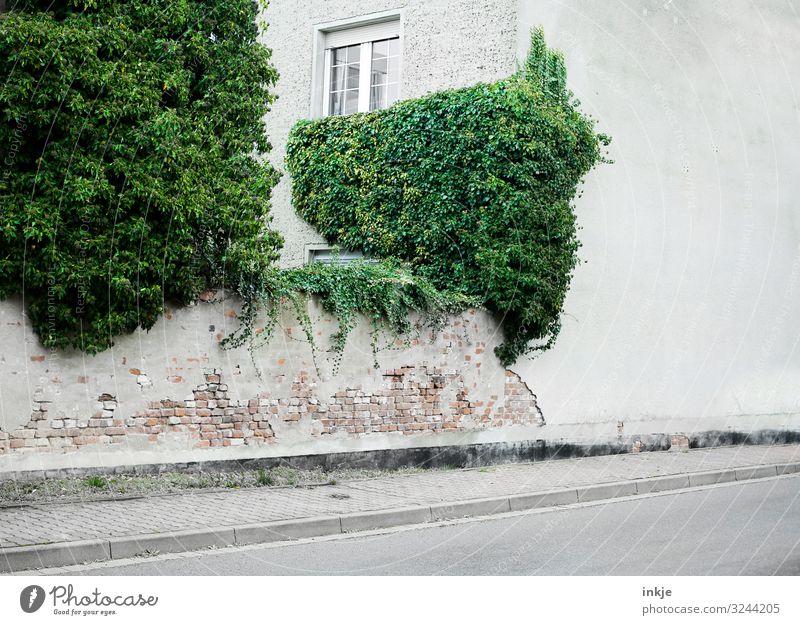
(411, 400)
(207, 296)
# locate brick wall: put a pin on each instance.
(412, 400)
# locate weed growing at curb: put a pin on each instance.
(264, 479)
(96, 481)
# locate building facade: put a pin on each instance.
(436, 45)
(679, 321)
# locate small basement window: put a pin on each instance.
(333, 256)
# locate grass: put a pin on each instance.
(109, 487)
(263, 478)
(96, 481)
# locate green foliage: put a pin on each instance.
(263, 478)
(386, 293)
(96, 481)
(472, 187)
(129, 133)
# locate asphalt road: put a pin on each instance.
(751, 528)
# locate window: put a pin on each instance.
(384, 82)
(331, 255)
(361, 68)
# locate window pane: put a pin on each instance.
(337, 78)
(380, 49)
(339, 56)
(394, 69)
(352, 76)
(351, 101)
(336, 103)
(377, 98)
(380, 67)
(392, 94)
(394, 46)
(354, 54)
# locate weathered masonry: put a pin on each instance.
(172, 395)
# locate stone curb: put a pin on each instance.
(54, 554)
(14, 559)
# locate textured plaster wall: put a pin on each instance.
(173, 395)
(685, 315)
(446, 44)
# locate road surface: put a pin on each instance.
(747, 528)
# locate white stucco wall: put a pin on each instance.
(446, 44)
(684, 315)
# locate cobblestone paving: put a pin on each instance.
(46, 523)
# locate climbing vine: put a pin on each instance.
(130, 137)
(387, 293)
(472, 188)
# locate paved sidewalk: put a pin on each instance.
(53, 523)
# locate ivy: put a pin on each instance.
(387, 293)
(131, 137)
(129, 171)
(472, 188)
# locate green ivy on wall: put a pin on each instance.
(387, 293)
(472, 188)
(130, 139)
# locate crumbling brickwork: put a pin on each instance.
(411, 400)
(208, 418)
(414, 399)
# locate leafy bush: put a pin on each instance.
(472, 187)
(129, 175)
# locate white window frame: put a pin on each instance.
(337, 32)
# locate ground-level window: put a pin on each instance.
(362, 68)
(332, 256)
